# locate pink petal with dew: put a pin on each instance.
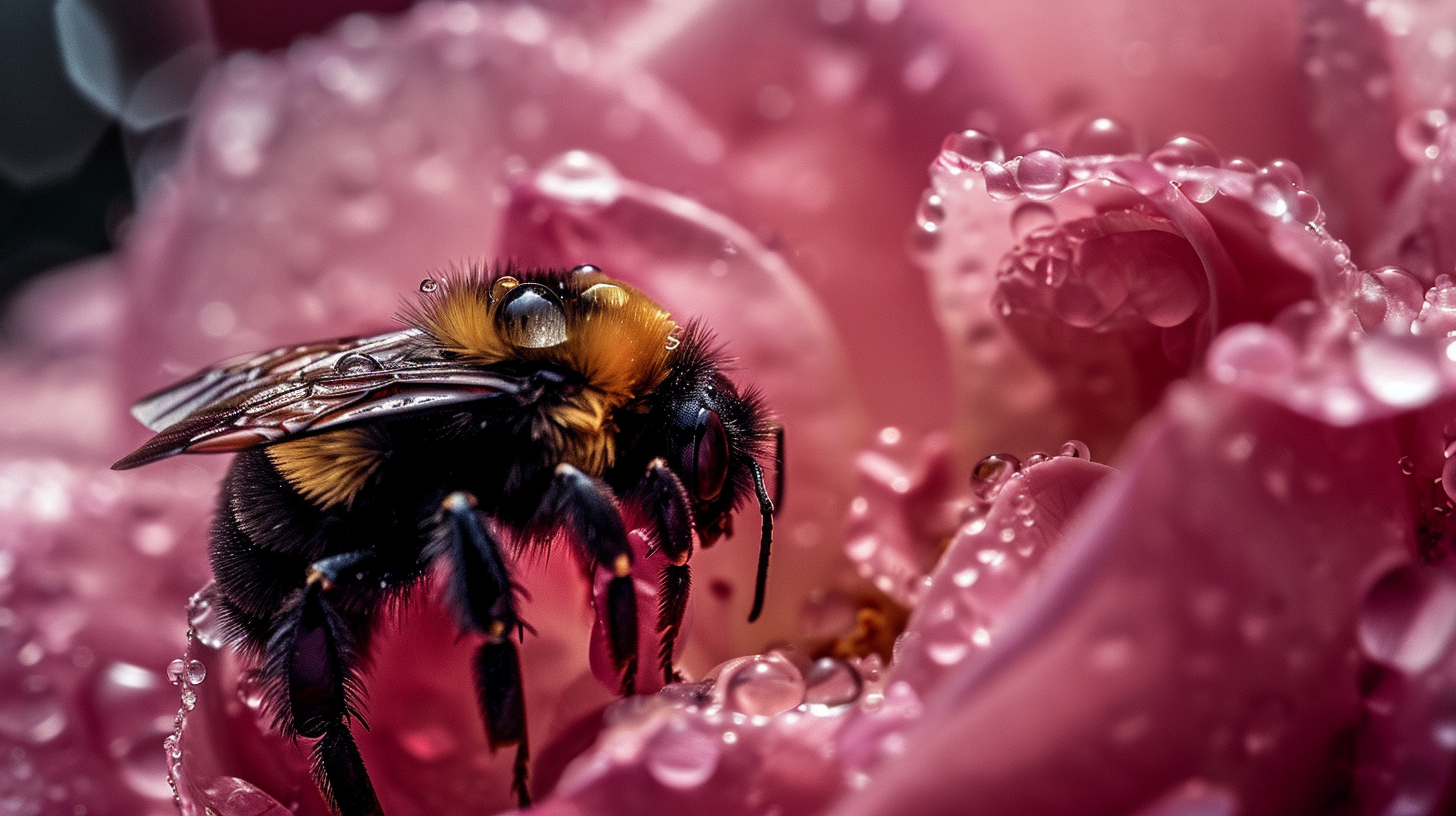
(829, 113)
(1356, 105)
(700, 265)
(1199, 624)
(995, 559)
(1075, 289)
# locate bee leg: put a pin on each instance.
(666, 500)
(585, 506)
(484, 597)
(311, 656)
(765, 540)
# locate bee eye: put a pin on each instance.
(531, 316)
(708, 458)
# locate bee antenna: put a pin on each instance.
(766, 510)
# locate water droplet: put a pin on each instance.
(991, 473)
(1031, 217)
(969, 149)
(1407, 465)
(1418, 135)
(203, 617)
(196, 672)
(1101, 137)
(930, 215)
(586, 269)
(1409, 618)
(1390, 297)
(1397, 370)
(1186, 151)
(966, 577)
(1076, 449)
(831, 683)
(765, 686)
(356, 363)
(682, 758)
(1042, 174)
(251, 690)
(1273, 194)
(1448, 478)
(1241, 165)
(1307, 208)
(947, 652)
(1035, 459)
(1286, 169)
(189, 698)
(580, 178)
(531, 316)
(429, 285)
(175, 671)
(1000, 184)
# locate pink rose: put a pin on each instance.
(1223, 588)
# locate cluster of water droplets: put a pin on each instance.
(187, 672)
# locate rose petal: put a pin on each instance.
(1201, 624)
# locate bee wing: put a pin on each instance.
(306, 389)
(233, 378)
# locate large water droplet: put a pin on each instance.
(531, 316)
(1185, 151)
(1409, 618)
(1397, 370)
(930, 215)
(1042, 174)
(1000, 184)
(1273, 194)
(580, 178)
(1418, 135)
(1076, 449)
(1389, 297)
(175, 671)
(203, 617)
(196, 672)
(991, 473)
(429, 285)
(1287, 170)
(1101, 137)
(831, 683)
(970, 148)
(356, 363)
(765, 686)
(681, 758)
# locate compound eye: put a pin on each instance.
(531, 316)
(709, 455)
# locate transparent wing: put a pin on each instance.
(305, 389)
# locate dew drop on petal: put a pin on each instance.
(1185, 151)
(1407, 465)
(1076, 449)
(251, 689)
(176, 671)
(930, 215)
(189, 698)
(1273, 194)
(765, 686)
(1035, 458)
(831, 683)
(1042, 174)
(947, 652)
(1031, 217)
(1307, 208)
(1448, 478)
(1390, 297)
(1418, 135)
(1286, 169)
(991, 473)
(581, 178)
(970, 148)
(1398, 371)
(1101, 137)
(682, 758)
(1000, 184)
(1409, 618)
(586, 269)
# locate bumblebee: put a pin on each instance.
(517, 408)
